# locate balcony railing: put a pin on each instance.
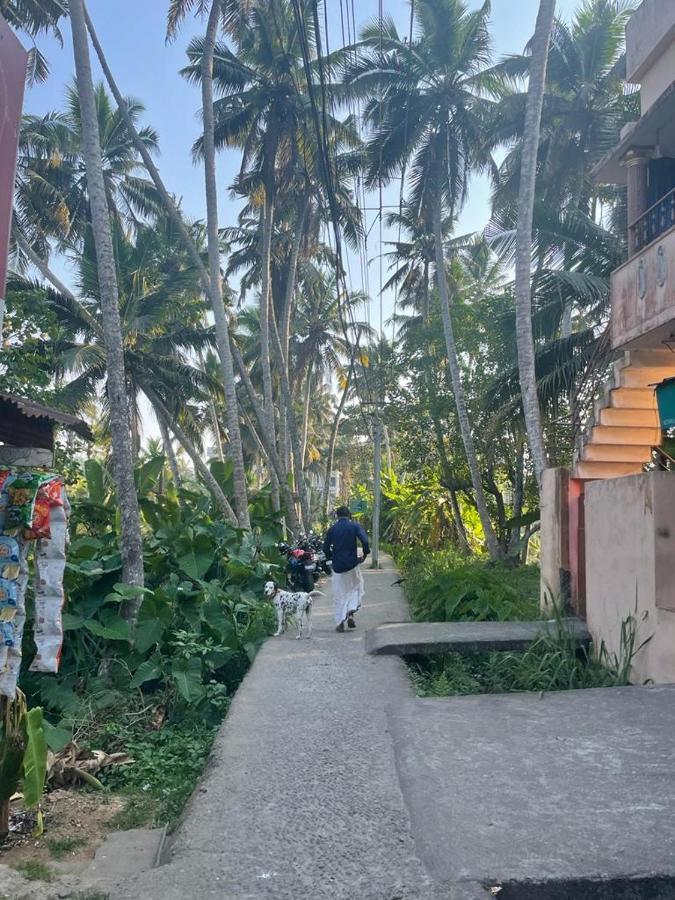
(652, 224)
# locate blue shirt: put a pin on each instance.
(340, 544)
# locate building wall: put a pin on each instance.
(630, 568)
(658, 77)
(648, 34)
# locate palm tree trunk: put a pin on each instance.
(212, 287)
(220, 316)
(296, 448)
(446, 472)
(287, 311)
(528, 177)
(305, 410)
(201, 469)
(333, 440)
(215, 427)
(457, 388)
(270, 449)
(168, 449)
(266, 312)
(131, 543)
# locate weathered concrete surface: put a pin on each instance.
(516, 787)
(122, 854)
(411, 638)
(301, 800)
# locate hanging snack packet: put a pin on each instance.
(7, 634)
(22, 493)
(11, 664)
(8, 593)
(48, 496)
(9, 558)
(50, 563)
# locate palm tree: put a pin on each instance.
(51, 199)
(222, 329)
(426, 107)
(35, 17)
(212, 288)
(131, 543)
(162, 313)
(528, 177)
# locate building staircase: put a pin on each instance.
(624, 427)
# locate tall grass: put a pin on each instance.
(553, 662)
(442, 586)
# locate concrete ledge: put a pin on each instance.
(411, 638)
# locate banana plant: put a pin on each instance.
(23, 758)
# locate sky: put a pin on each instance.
(132, 34)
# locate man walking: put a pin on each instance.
(341, 546)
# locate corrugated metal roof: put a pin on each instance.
(37, 411)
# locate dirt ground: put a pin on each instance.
(68, 814)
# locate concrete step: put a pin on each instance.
(411, 638)
(124, 854)
(645, 376)
(632, 398)
(631, 418)
(616, 453)
(608, 434)
(601, 470)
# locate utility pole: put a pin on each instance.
(377, 489)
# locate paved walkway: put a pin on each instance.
(301, 800)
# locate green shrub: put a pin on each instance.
(202, 617)
(167, 765)
(445, 587)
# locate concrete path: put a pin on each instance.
(301, 800)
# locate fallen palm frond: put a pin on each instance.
(73, 764)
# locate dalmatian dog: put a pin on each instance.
(295, 603)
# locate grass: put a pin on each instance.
(35, 870)
(60, 847)
(543, 667)
(551, 663)
(137, 812)
(167, 765)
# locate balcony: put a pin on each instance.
(643, 289)
(653, 223)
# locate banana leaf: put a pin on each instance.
(34, 758)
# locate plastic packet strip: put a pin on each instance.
(50, 563)
(12, 662)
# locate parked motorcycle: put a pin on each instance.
(301, 570)
(323, 564)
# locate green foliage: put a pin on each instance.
(167, 765)
(23, 752)
(201, 620)
(445, 587)
(35, 870)
(34, 758)
(551, 663)
(417, 511)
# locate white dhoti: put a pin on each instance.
(348, 592)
